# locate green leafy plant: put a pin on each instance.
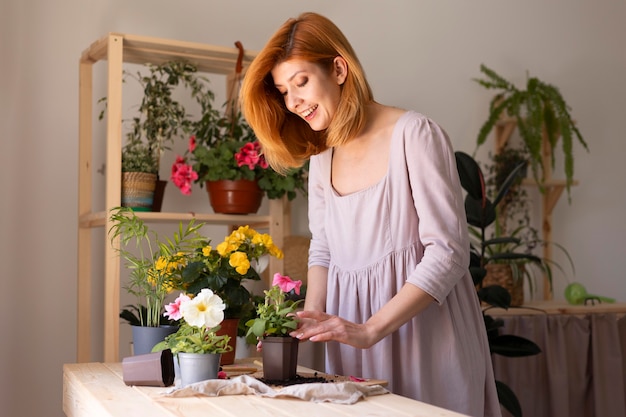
(155, 266)
(275, 316)
(225, 148)
(481, 212)
(136, 157)
(538, 110)
(225, 268)
(199, 318)
(489, 244)
(161, 117)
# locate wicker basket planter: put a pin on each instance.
(502, 275)
(138, 190)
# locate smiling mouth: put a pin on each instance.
(308, 112)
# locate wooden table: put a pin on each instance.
(98, 390)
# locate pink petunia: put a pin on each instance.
(286, 284)
(172, 310)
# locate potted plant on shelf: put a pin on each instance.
(139, 176)
(274, 320)
(197, 344)
(155, 270)
(225, 269)
(225, 155)
(541, 115)
(162, 117)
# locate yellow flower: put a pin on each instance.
(239, 261)
(206, 251)
(225, 248)
(274, 251)
(161, 263)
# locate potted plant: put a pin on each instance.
(540, 112)
(225, 154)
(274, 320)
(197, 345)
(162, 117)
(481, 212)
(139, 176)
(489, 245)
(224, 269)
(155, 270)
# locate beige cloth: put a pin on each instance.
(335, 392)
(581, 371)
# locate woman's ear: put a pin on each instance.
(340, 69)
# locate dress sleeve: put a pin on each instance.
(319, 255)
(438, 200)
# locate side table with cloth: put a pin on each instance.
(582, 368)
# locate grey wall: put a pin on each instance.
(418, 54)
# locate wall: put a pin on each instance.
(419, 55)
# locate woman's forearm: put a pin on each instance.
(316, 289)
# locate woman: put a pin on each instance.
(388, 285)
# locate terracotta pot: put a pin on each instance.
(229, 327)
(234, 197)
(280, 358)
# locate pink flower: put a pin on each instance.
(172, 310)
(250, 155)
(222, 375)
(183, 175)
(286, 284)
(192, 144)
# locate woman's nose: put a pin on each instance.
(293, 101)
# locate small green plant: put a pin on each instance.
(136, 157)
(539, 109)
(155, 266)
(275, 316)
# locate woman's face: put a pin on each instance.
(309, 90)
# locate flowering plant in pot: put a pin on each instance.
(274, 320)
(196, 342)
(228, 150)
(155, 265)
(225, 268)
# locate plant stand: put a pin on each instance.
(552, 189)
(116, 49)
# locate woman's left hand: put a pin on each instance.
(317, 326)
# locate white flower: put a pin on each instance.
(205, 309)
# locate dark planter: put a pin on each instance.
(234, 197)
(280, 358)
(144, 337)
(159, 192)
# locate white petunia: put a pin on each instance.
(205, 309)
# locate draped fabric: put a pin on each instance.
(581, 371)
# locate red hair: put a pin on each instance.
(287, 140)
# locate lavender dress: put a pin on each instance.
(408, 228)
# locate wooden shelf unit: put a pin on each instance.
(117, 49)
(552, 188)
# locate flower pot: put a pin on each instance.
(138, 190)
(502, 275)
(229, 327)
(234, 197)
(280, 358)
(144, 338)
(159, 192)
(196, 367)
